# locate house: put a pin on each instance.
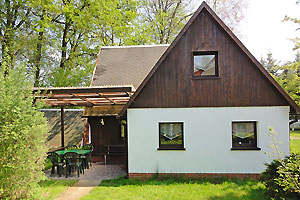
(201, 107)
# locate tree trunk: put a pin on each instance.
(38, 54)
(6, 42)
(64, 45)
(38, 57)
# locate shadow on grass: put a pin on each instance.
(171, 180)
(56, 183)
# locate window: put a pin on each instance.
(171, 136)
(244, 136)
(205, 64)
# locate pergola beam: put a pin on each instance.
(69, 90)
(109, 99)
(85, 96)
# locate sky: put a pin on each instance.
(262, 28)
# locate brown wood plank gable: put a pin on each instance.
(242, 79)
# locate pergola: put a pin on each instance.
(83, 96)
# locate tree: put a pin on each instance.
(270, 64)
(82, 26)
(289, 79)
(230, 11)
(23, 133)
(14, 15)
(164, 18)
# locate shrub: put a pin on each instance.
(23, 133)
(281, 178)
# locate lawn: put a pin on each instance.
(295, 143)
(295, 133)
(52, 188)
(172, 189)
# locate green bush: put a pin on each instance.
(281, 178)
(23, 131)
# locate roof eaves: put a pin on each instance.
(93, 76)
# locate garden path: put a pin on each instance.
(294, 138)
(91, 178)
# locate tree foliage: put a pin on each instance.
(23, 133)
(165, 18)
(270, 63)
(281, 176)
(296, 21)
(289, 79)
(59, 39)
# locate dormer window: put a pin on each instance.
(205, 64)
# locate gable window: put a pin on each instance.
(205, 64)
(171, 136)
(244, 136)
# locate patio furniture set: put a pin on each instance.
(71, 157)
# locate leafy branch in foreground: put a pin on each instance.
(281, 177)
(23, 133)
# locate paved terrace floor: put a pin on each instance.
(97, 171)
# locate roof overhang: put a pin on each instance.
(84, 96)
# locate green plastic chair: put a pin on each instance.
(73, 160)
(57, 161)
(87, 158)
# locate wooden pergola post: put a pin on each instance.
(62, 126)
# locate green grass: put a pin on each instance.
(295, 146)
(177, 189)
(295, 143)
(53, 188)
(295, 133)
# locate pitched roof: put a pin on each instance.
(243, 49)
(125, 65)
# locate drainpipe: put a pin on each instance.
(294, 121)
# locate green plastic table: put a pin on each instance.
(79, 151)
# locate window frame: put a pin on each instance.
(170, 146)
(199, 53)
(254, 147)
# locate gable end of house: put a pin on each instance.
(238, 79)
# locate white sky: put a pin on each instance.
(263, 30)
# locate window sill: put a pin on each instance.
(204, 77)
(246, 148)
(178, 149)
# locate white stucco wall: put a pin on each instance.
(207, 139)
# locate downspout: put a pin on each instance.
(294, 121)
(126, 142)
